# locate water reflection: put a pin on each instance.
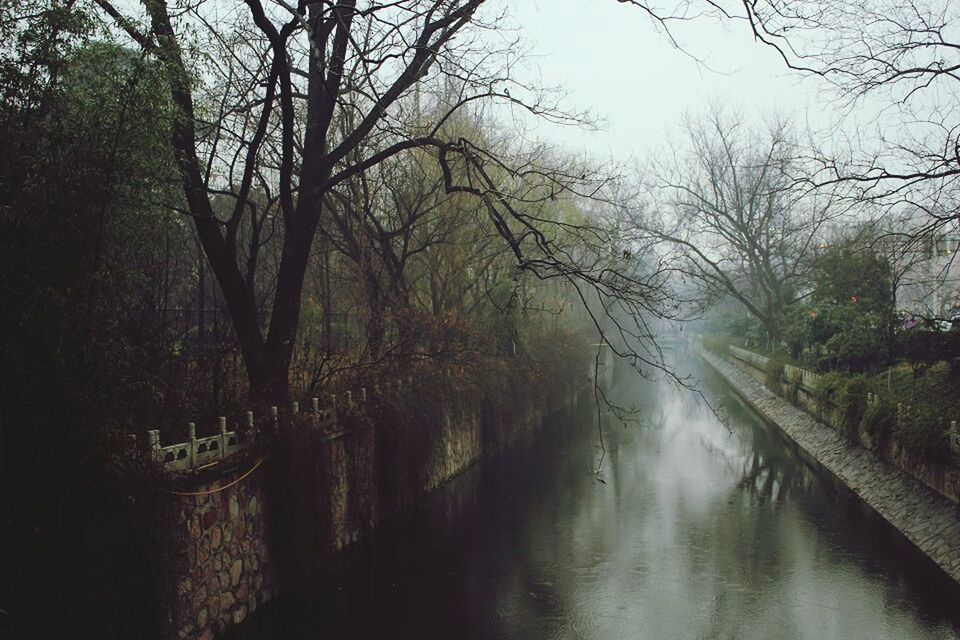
(699, 530)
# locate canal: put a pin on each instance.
(698, 527)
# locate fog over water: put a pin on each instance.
(696, 531)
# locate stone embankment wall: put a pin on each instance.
(252, 526)
(941, 475)
(925, 517)
(222, 567)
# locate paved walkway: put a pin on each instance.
(926, 518)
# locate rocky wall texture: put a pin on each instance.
(222, 561)
(940, 475)
(926, 518)
(247, 536)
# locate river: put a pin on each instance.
(695, 527)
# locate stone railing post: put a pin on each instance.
(192, 435)
(222, 427)
(153, 444)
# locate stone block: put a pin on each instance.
(195, 529)
(226, 602)
(236, 570)
(209, 518)
(199, 598)
(240, 614)
(216, 536)
(213, 606)
(185, 586)
(202, 617)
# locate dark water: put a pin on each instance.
(697, 532)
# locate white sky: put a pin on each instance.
(612, 60)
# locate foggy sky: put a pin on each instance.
(612, 60)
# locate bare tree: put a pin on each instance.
(728, 215)
(898, 61)
(299, 100)
(301, 103)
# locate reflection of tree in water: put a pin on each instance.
(766, 480)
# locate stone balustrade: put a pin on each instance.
(196, 452)
(809, 381)
(750, 357)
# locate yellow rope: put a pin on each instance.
(223, 488)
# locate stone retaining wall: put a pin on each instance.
(245, 534)
(926, 518)
(222, 564)
(943, 476)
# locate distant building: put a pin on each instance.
(931, 281)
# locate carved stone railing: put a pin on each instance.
(200, 452)
(808, 379)
(196, 453)
(750, 357)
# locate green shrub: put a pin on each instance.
(792, 389)
(924, 435)
(796, 328)
(880, 422)
(923, 347)
(774, 372)
(852, 404)
(828, 385)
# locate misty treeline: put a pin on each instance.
(209, 207)
(835, 235)
(212, 205)
(734, 212)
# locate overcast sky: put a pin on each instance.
(613, 61)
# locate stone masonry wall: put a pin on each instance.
(230, 560)
(929, 520)
(941, 476)
(222, 561)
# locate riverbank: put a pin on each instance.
(926, 518)
(243, 533)
(699, 530)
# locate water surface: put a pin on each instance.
(698, 529)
